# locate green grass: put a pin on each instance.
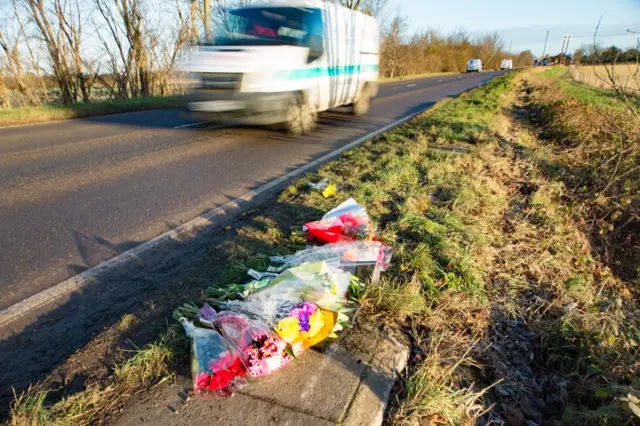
(31, 115)
(149, 365)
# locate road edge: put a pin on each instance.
(81, 280)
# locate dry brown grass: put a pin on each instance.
(625, 75)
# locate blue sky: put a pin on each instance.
(526, 22)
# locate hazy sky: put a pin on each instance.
(526, 22)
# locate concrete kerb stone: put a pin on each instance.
(348, 382)
(372, 397)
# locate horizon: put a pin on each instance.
(526, 25)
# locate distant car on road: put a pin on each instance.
(474, 65)
(506, 64)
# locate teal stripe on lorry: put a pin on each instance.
(317, 72)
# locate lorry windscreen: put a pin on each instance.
(271, 26)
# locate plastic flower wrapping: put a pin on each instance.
(215, 364)
(263, 351)
(348, 256)
(316, 282)
(347, 222)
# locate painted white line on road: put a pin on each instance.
(440, 81)
(180, 233)
(410, 85)
(188, 125)
(214, 126)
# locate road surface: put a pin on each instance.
(75, 193)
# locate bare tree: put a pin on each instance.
(35, 63)
(54, 46)
(392, 46)
(9, 45)
(488, 48)
(70, 22)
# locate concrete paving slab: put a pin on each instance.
(165, 406)
(348, 382)
(320, 386)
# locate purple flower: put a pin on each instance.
(304, 323)
(309, 308)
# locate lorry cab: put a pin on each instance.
(474, 65)
(285, 62)
(506, 64)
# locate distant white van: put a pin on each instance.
(506, 64)
(285, 61)
(474, 65)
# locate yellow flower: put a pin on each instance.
(315, 323)
(327, 320)
(288, 329)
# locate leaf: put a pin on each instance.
(289, 351)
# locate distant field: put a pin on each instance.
(626, 75)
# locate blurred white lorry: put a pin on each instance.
(474, 65)
(506, 64)
(283, 62)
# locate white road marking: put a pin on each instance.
(410, 85)
(440, 81)
(215, 126)
(188, 125)
(182, 232)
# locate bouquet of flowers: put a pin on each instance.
(262, 351)
(317, 283)
(347, 222)
(215, 364)
(306, 325)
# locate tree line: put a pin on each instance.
(71, 51)
(588, 54)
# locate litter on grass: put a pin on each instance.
(328, 189)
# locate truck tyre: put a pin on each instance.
(363, 102)
(300, 119)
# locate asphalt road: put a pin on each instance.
(75, 193)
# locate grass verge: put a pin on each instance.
(513, 316)
(32, 115)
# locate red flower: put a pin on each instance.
(222, 378)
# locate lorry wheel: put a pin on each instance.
(300, 119)
(363, 103)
